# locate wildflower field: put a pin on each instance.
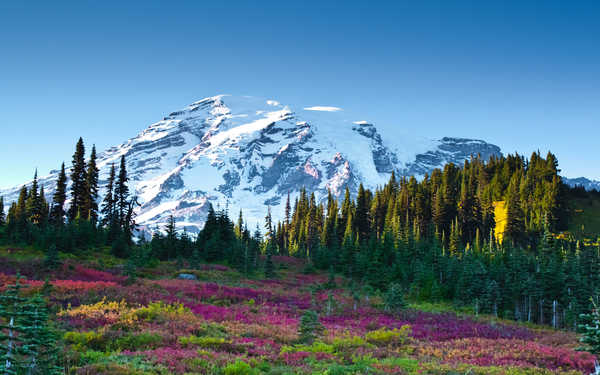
(224, 323)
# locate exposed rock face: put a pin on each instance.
(451, 150)
(247, 153)
(586, 183)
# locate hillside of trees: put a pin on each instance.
(437, 238)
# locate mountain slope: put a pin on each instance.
(586, 183)
(246, 152)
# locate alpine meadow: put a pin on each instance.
(259, 235)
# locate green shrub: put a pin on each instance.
(163, 310)
(108, 369)
(281, 370)
(409, 365)
(349, 343)
(210, 329)
(136, 342)
(239, 368)
(101, 342)
(84, 341)
(315, 347)
(202, 366)
(204, 342)
(355, 369)
(93, 356)
(384, 337)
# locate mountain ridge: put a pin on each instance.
(586, 183)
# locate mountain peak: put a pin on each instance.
(248, 152)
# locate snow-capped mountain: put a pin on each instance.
(249, 153)
(586, 183)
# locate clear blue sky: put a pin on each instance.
(522, 74)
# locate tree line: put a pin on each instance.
(34, 220)
(438, 238)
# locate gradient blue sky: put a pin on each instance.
(521, 74)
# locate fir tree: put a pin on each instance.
(171, 238)
(591, 329)
(33, 205)
(108, 208)
(52, 260)
(11, 327)
(269, 225)
(2, 215)
(269, 266)
(515, 226)
(331, 284)
(39, 347)
(57, 211)
(121, 194)
(90, 208)
(120, 246)
(310, 327)
(78, 185)
(130, 270)
(44, 207)
(195, 259)
(20, 215)
(361, 219)
(394, 299)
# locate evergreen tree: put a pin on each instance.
(108, 209)
(119, 247)
(591, 329)
(195, 259)
(52, 260)
(44, 207)
(131, 270)
(78, 185)
(121, 195)
(269, 235)
(171, 238)
(331, 284)
(12, 317)
(40, 347)
(20, 216)
(90, 207)
(394, 299)
(2, 215)
(269, 266)
(57, 211)
(361, 219)
(33, 205)
(515, 226)
(310, 327)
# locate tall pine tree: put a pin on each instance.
(2, 215)
(91, 186)
(78, 185)
(121, 194)
(57, 210)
